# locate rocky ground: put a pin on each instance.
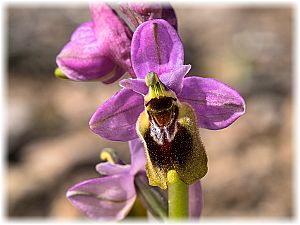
(50, 147)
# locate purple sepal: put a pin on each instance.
(216, 104)
(156, 47)
(195, 200)
(116, 118)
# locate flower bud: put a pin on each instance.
(82, 59)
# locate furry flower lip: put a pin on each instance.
(161, 94)
(171, 136)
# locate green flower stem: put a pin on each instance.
(155, 201)
(178, 196)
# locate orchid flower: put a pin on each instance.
(100, 49)
(111, 196)
(158, 61)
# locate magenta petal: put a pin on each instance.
(113, 76)
(108, 168)
(216, 104)
(195, 200)
(105, 198)
(113, 34)
(84, 33)
(83, 59)
(137, 85)
(138, 156)
(160, 52)
(116, 118)
(174, 79)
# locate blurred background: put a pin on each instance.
(50, 146)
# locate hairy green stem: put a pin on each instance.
(178, 196)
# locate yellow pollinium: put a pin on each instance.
(108, 155)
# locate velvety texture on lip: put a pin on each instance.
(216, 104)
